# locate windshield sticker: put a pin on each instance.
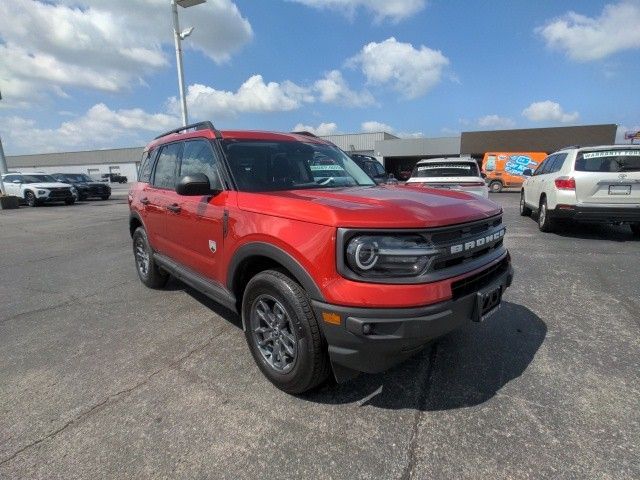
(612, 153)
(322, 168)
(437, 167)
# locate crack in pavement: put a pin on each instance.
(407, 474)
(114, 397)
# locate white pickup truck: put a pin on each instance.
(591, 184)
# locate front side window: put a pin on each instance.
(165, 173)
(198, 157)
(38, 179)
(544, 165)
(490, 165)
(445, 169)
(264, 165)
(609, 161)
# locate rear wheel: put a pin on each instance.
(105, 197)
(31, 200)
(495, 186)
(70, 201)
(545, 222)
(149, 273)
(283, 334)
(635, 229)
(524, 210)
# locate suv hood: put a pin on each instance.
(383, 206)
(46, 185)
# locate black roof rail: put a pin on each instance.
(207, 125)
(304, 132)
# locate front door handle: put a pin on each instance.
(174, 207)
(144, 201)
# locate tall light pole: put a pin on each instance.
(3, 164)
(178, 36)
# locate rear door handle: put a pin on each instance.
(174, 207)
(144, 201)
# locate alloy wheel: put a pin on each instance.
(142, 257)
(274, 333)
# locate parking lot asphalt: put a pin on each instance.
(104, 378)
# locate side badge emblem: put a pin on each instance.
(212, 246)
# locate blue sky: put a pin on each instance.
(82, 74)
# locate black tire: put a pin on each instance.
(105, 197)
(70, 201)
(495, 186)
(545, 222)
(635, 229)
(30, 199)
(524, 210)
(82, 198)
(310, 366)
(150, 274)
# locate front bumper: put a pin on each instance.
(600, 213)
(372, 340)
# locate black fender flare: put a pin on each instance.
(136, 216)
(278, 255)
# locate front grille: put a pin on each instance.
(60, 192)
(475, 282)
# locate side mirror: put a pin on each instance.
(194, 185)
(527, 172)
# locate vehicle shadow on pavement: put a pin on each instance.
(595, 231)
(462, 369)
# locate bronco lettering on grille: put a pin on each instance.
(477, 242)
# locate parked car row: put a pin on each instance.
(36, 188)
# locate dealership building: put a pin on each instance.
(396, 154)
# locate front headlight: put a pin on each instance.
(389, 255)
(42, 192)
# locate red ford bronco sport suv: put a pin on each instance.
(328, 271)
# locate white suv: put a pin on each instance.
(38, 188)
(591, 184)
(460, 174)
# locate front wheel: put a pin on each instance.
(545, 222)
(283, 334)
(495, 186)
(149, 273)
(635, 229)
(524, 210)
(105, 197)
(31, 200)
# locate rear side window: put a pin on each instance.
(144, 174)
(609, 161)
(198, 157)
(165, 171)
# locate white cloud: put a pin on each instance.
(496, 121)
(394, 10)
(411, 71)
(320, 130)
(98, 127)
(373, 126)
(333, 88)
(585, 39)
(548, 111)
(103, 45)
(254, 95)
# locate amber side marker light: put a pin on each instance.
(332, 318)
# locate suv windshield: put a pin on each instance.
(446, 169)
(38, 179)
(77, 177)
(265, 165)
(609, 161)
